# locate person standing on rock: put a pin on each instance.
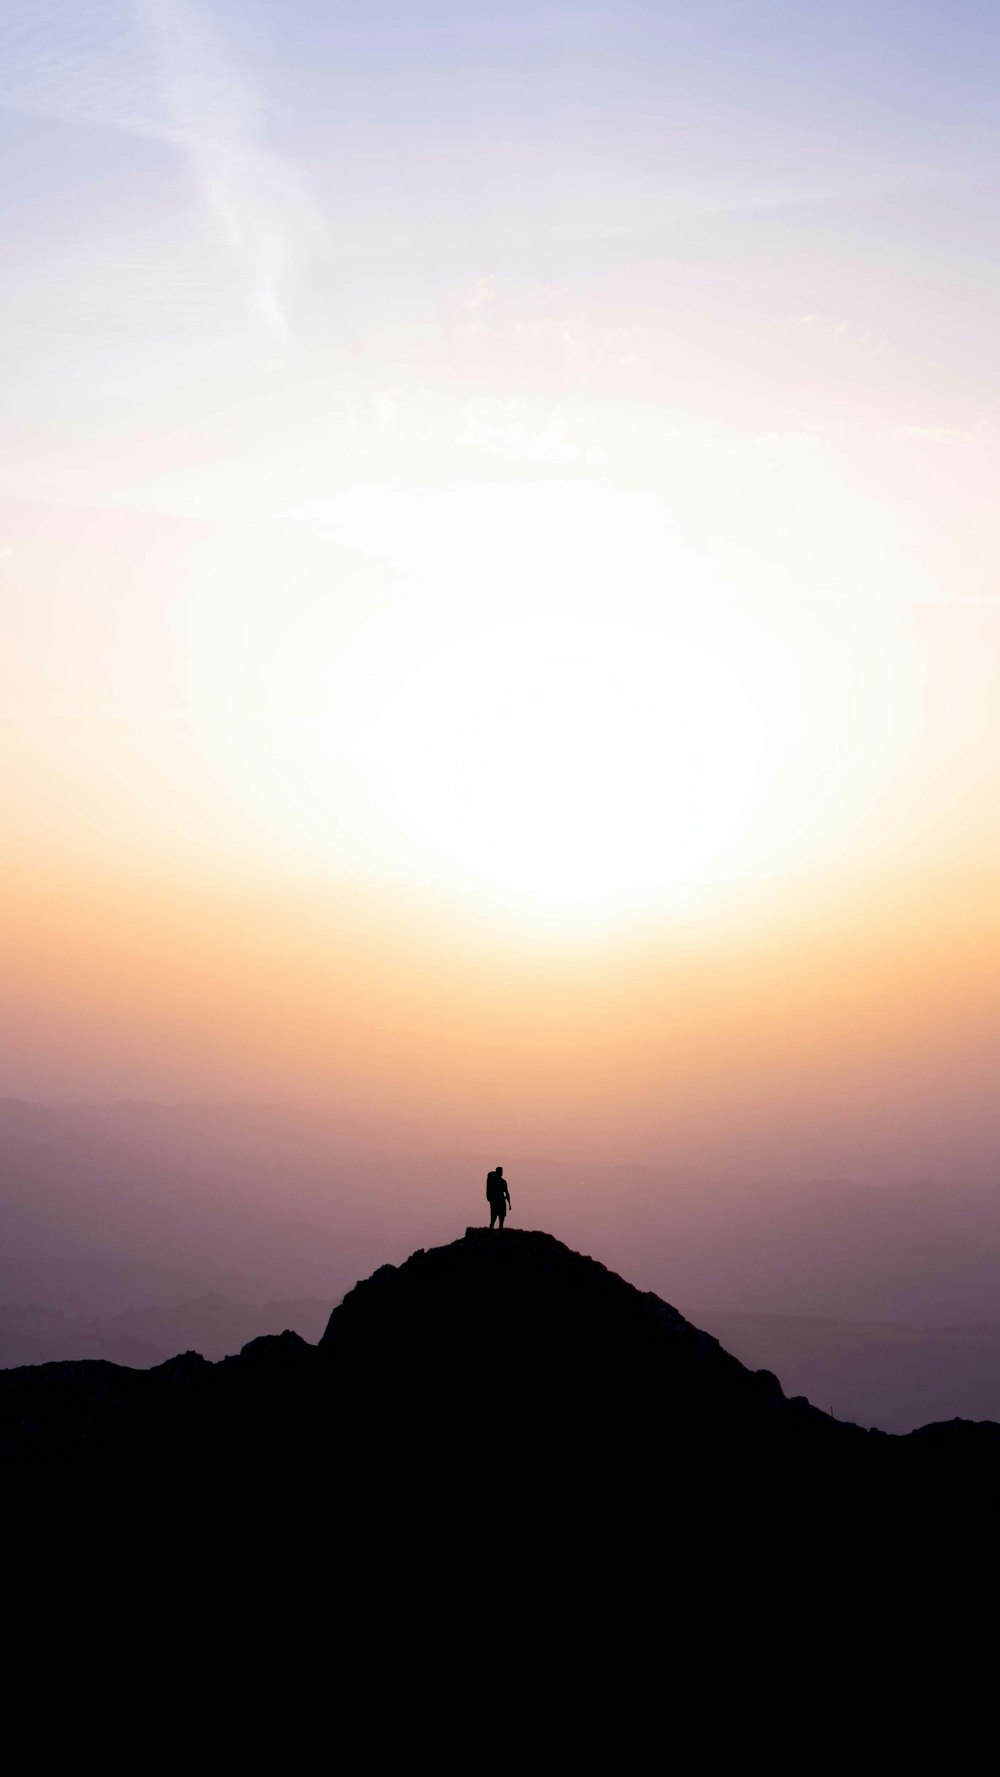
(498, 1194)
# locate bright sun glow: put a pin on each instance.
(572, 769)
(491, 727)
(575, 795)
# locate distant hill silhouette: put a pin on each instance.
(881, 1373)
(506, 1362)
(140, 1338)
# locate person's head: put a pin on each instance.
(499, 1171)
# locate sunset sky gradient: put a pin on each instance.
(499, 571)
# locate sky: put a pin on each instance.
(498, 572)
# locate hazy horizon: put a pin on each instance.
(116, 1207)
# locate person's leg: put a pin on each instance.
(493, 1217)
(503, 1216)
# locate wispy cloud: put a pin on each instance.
(836, 327)
(505, 428)
(161, 70)
(939, 434)
(256, 197)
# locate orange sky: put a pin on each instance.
(856, 1032)
(512, 650)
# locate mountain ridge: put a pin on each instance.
(494, 1348)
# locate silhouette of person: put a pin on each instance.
(498, 1194)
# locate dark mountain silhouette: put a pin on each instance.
(877, 1373)
(506, 1363)
(506, 1495)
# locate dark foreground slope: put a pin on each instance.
(508, 1508)
(475, 1377)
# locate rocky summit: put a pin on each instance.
(502, 1354)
